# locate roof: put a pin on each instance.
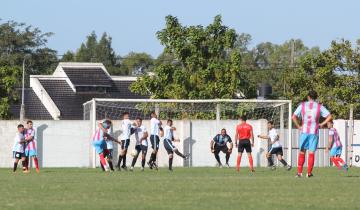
(87, 76)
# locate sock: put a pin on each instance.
(340, 160)
(283, 162)
(102, 167)
(143, 163)
(111, 165)
(227, 157)
(170, 163)
(238, 161)
(251, 162)
(336, 163)
(217, 158)
(102, 160)
(311, 160)
(152, 158)
(119, 161)
(25, 164)
(36, 163)
(179, 153)
(270, 160)
(15, 166)
(301, 162)
(124, 161)
(134, 161)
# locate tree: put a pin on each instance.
(136, 63)
(206, 64)
(8, 94)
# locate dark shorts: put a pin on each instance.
(125, 144)
(18, 155)
(218, 148)
(108, 153)
(141, 148)
(169, 146)
(244, 144)
(276, 150)
(155, 140)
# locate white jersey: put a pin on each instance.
(126, 129)
(109, 143)
(139, 133)
(18, 147)
(154, 126)
(168, 133)
(273, 135)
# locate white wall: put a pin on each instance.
(67, 143)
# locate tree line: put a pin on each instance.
(198, 62)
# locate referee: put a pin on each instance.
(244, 140)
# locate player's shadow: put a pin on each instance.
(188, 149)
(40, 143)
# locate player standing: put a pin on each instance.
(219, 143)
(108, 152)
(276, 147)
(30, 146)
(125, 140)
(168, 139)
(335, 147)
(18, 148)
(141, 135)
(310, 113)
(245, 136)
(154, 139)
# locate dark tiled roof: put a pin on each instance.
(34, 109)
(88, 76)
(120, 89)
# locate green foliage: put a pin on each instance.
(205, 64)
(136, 64)
(8, 94)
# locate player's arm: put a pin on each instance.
(330, 143)
(236, 138)
(110, 138)
(231, 145)
(212, 142)
(264, 137)
(101, 127)
(295, 117)
(327, 119)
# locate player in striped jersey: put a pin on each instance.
(18, 148)
(335, 147)
(168, 139)
(30, 146)
(141, 135)
(275, 148)
(310, 113)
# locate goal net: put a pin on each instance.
(199, 120)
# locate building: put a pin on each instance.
(60, 96)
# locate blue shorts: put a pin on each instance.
(335, 151)
(30, 153)
(308, 142)
(99, 146)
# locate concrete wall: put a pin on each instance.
(67, 143)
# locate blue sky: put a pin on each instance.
(133, 24)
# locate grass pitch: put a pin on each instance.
(183, 189)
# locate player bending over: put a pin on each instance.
(335, 147)
(125, 140)
(219, 143)
(155, 126)
(168, 139)
(30, 146)
(18, 148)
(310, 113)
(245, 136)
(141, 135)
(99, 141)
(275, 148)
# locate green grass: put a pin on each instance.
(185, 189)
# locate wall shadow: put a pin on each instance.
(40, 143)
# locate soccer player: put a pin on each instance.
(276, 147)
(219, 143)
(141, 135)
(335, 147)
(108, 152)
(18, 148)
(155, 126)
(30, 146)
(126, 126)
(310, 112)
(245, 137)
(168, 139)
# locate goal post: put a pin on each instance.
(199, 119)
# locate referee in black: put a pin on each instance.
(219, 143)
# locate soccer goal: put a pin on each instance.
(197, 121)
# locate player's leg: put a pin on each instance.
(25, 161)
(143, 156)
(313, 142)
(17, 158)
(157, 143)
(216, 155)
(280, 157)
(138, 150)
(225, 150)
(269, 157)
(33, 156)
(171, 157)
(153, 153)
(248, 151)
(303, 146)
(127, 142)
(240, 151)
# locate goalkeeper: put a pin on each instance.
(219, 143)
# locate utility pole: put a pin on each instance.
(22, 108)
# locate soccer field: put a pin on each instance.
(184, 189)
